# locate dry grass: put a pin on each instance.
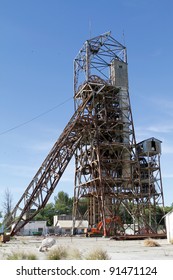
(97, 254)
(64, 253)
(57, 253)
(21, 256)
(151, 243)
(74, 254)
(69, 253)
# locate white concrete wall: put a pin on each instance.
(34, 226)
(169, 226)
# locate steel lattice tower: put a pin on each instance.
(113, 174)
(149, 152)
(107, 166)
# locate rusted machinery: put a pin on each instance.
(114, 227)
(114, 174)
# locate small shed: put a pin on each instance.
(149, 146)
(169, 226)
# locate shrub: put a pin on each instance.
(74, 254)
(21, 256)
(57, 253)
(97, 254)
(151, 243)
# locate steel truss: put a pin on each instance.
(107, 168)
(108, 171)
(151, 180)
(101, 136)
(94, 58)
(44, 182)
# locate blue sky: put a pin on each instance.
(39, 41)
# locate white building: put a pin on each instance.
(34, 228)
(169, 226)
(65, 226)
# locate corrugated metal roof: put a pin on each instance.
(150, 139)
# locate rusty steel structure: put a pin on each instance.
(114, 175)
(47, 177)
(149, 152)
(109, 169)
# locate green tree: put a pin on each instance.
(168, 208)
(46, 214)
(63, 203)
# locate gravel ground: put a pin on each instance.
(116, 250)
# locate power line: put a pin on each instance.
(34, 118)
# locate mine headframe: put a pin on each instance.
(107, 164)
(101, 137)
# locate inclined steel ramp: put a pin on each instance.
(47, 177)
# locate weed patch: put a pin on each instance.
(151, 243)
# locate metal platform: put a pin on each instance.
(139, 237)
